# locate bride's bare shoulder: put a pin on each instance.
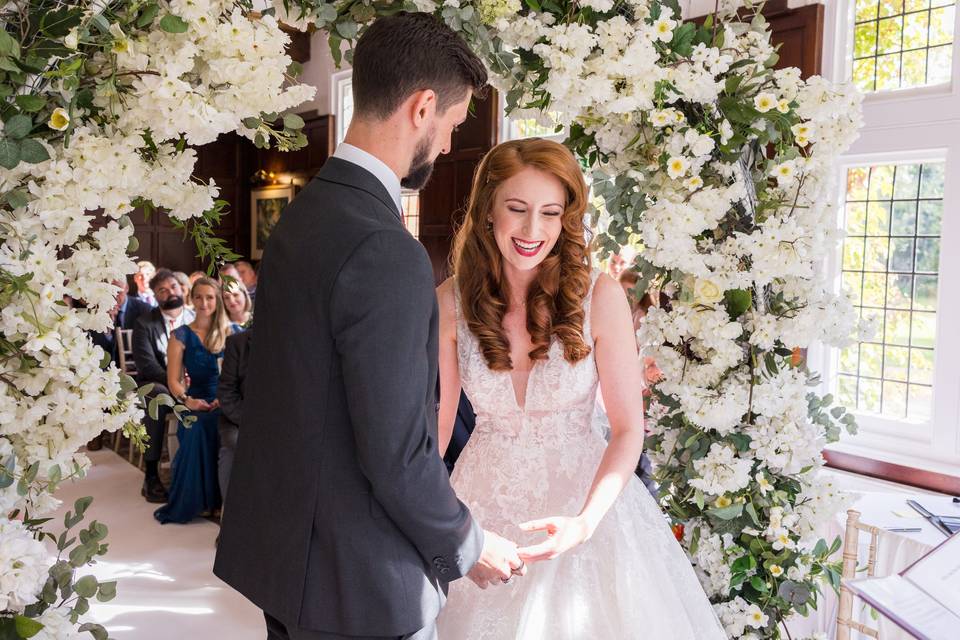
(446, 299)
(609, 305)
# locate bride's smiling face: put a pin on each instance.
(527, 217)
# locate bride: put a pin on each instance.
(528, 330)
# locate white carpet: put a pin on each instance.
(166, 589)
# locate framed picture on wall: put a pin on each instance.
(266, 204)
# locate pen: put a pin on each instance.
(905, 529)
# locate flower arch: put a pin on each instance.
(713, 164)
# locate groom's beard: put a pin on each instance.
(421, 167)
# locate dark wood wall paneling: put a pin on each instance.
(443, 201)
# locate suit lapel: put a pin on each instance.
(351, 175)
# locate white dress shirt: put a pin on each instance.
(374, 165)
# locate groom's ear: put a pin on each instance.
(423, 107)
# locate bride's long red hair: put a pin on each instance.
(555, 299)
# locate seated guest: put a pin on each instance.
(185, 285)
(151, 333)
(196, 275)
(227, 273)
(230, 394)
(197, 348)
(249, 277)
(237, 302)
(124, 315)
(142, 278)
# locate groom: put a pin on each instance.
(341, 522)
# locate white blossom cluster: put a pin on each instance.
(205, 81)
(24, 563)
(738, 616)
(72, 236)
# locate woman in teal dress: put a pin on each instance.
(197, 349)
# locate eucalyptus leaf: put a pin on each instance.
(33, 152)
(173, 24)
(18, 127)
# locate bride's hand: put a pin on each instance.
(563, 534)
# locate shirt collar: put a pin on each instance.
(374, 165)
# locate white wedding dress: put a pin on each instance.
(631, 580)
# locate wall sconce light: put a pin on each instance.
(264, 177)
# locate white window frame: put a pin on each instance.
(340, 82)
(906, 126)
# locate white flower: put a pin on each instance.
(783, 105)
(59, 119)
(721, 471)
(693, 183)
(765, 102)
(756, 618)
(776, 570)
(785, 172)
(706, 291)
(72, 39)
(663, 27)
(23, 566)
(677, 166)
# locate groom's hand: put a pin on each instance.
(498, 562)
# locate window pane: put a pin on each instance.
(899, 44)
(904, 218)
(874, 289)
(931, 211)
(901, 254)
(919, 402)
(856, 218)
(857, 183)
(923, 331)
(896, 361)
(908, 181)
(847, 391)
(876, 254)
(897, 328)
(928, 254)
(899, 291)
(853, 253)
(865, 40)
(869, 395)
(852, 283)
(878, 218)
(925, 293)
(894, 399)
(941, 26)
(915, 31)
(881, 182)
(849, 359)
(921, 366)
(866, 9)
(931, 185)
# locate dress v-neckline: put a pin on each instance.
(526, 388)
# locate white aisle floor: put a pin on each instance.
(166, 589)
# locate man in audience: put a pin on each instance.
(124, 313)
(145, 273)
(249, 276)
(150, 337)
(229, 271)
(230, 394)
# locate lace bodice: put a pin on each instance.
(546, 451)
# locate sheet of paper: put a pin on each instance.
(938, 574)
(909, 607)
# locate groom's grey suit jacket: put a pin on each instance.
(340, 515)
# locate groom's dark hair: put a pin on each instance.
(408, 52)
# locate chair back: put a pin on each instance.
(851, 546)
(124, 341)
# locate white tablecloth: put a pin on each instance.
(895, 552)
